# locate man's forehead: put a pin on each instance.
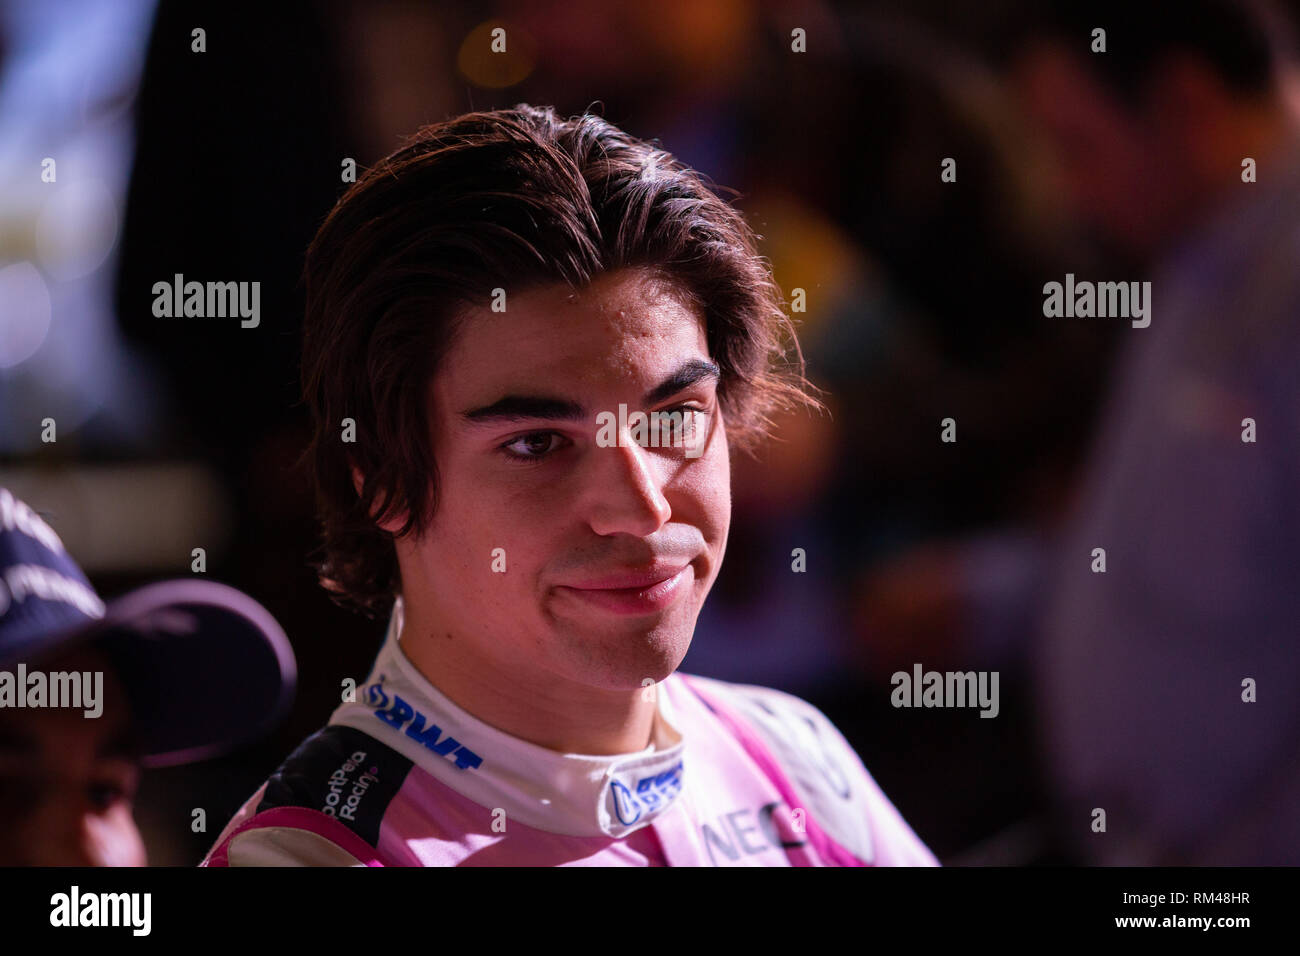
(609, 288)
(623, 329)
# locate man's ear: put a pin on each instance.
(393, 524)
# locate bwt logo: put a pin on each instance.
(399, 713)
(650, 794)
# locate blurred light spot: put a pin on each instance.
(76, 229)
(482, 67)
(801, 242)
(24, 313)
(697, 37)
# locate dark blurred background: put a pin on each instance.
(924, 301)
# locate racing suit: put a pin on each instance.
(735, 775)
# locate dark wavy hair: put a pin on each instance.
(513, 198)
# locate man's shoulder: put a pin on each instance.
(322, 806)
(781, 717)
(801, 737)
(824, 769)
(329, 763)
(768, 699)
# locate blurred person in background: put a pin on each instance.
(171, 673)
(1147, 671)
(1145, 674)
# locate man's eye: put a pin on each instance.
(682, 426)
(532, 447)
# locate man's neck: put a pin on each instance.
(538, 707)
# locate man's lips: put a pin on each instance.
(630, 579)
(633, 592)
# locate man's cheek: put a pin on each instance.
(504, 553)
(707, 486)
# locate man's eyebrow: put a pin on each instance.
(686, 375)
(514, 408)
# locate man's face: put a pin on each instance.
(608, 551)
(67, 781)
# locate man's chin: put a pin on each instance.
(627, 655)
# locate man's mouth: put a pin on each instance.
(633, 592)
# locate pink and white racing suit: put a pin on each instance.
(736, 775)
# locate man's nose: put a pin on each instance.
(625, 491)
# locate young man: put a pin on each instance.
(489, 311)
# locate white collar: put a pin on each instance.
(572, 794)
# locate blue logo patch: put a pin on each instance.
(650, 793)
(399, 714)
